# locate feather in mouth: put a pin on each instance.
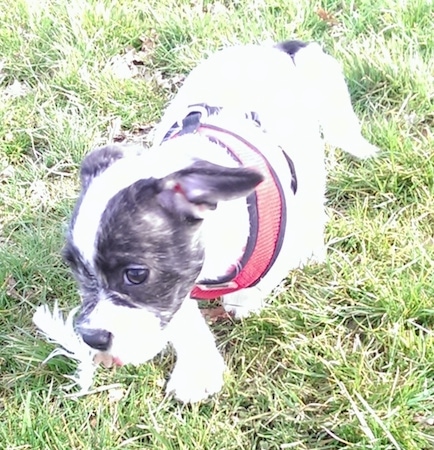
(60, 330)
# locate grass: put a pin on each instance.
(345, 356)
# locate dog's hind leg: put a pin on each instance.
(328, 93)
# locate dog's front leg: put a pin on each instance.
(199, 368)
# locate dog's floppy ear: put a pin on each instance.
(192, 191)
(97, 161)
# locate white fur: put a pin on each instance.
(292, 101)
(137, 334)
(199, 369)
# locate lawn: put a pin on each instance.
(344, 357)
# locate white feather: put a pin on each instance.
(60, 331)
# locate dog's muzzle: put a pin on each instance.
(96, 338)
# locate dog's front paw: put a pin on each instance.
(191, 383)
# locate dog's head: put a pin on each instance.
(134, 242)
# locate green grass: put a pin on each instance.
(344, 358)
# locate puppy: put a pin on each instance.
(228, 200)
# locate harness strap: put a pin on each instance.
(267, 213)
(266, 205)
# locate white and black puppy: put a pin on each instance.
(228, 201)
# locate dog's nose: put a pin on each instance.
(97, 339)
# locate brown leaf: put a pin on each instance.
(217, 314)
(424, 420)
(93, 422)
(128, 65)
(10, 288)
(327, 17)
(148, 41)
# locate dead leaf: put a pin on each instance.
(16, 89)
(424, 420)
(149, 41)
(129, 65)
(7, 172)
(10, 288)
(327, 17)
(217, 314)
(168, 83)
(39, 192)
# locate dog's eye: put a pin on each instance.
(136, 275)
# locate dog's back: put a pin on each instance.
(283, 91)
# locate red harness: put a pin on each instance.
(267, 213)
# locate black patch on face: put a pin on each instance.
(97, 162)
(136, 231)
(291, 47)
(90, 285)
(84, 275)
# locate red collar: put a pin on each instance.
(267, 215)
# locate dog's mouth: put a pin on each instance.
(107, 360)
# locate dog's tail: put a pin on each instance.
(329, 93)
(291, 47)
